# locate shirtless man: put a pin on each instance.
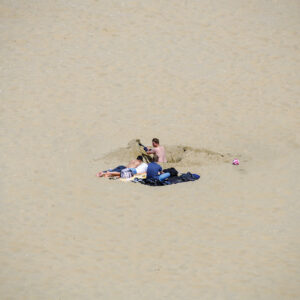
(158, 151)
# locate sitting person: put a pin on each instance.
(136, 166)
(157, 150)
(155, 171)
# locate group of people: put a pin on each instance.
(138, 166)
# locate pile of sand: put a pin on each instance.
(177, 155)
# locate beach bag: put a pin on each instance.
(126, 173)
(172, 171)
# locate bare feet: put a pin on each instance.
(108, 174)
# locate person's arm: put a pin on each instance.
(151, 151)
(145, 148)
(160, 171)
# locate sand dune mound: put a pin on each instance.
(178, 155)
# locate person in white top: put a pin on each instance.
(141, 168)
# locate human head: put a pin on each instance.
(155, 142)
(140, 158)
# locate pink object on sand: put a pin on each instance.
(236, 162)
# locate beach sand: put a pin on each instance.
(81, 79)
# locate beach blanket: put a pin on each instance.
(136, 176)
(171, 180)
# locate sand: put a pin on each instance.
(81, 79)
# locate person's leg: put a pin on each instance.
(112, 174)
(117, 169)
(164, 176)
(100, 174)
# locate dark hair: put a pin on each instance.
(140, 157)
(155, 140)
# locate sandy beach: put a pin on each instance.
(80, 80)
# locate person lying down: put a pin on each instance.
(136, 166)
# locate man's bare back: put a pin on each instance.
(134, 163)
